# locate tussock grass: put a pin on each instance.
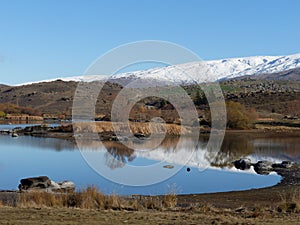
(290, 201)
(170, 200)
(153, 202)
(92, 198)
(39, 199)
(89, 198)
(113, 202)
(207, 208)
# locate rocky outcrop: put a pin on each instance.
(266, 167)
(38, 129)
(289, 171)
(242, 164)
(43, 183)
(263, 167)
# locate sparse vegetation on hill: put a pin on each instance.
(14, 109)
(267, 97)
(2, 114)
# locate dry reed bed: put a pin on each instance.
(135, 127)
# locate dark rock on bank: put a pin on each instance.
(35, 183)
(242, 164)
(43, 183)
(263, 167)
(289, 171)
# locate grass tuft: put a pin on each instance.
(113, 202)
(91, 198)
(153, 202)
(170, 200)
(290, 202)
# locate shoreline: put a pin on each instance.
(290, 180)
(106, 132)
(268, 199)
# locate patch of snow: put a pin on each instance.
(203, 71)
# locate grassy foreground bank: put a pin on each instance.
(274, 205)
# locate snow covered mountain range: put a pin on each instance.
(202, 71)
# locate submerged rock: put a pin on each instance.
(14, 135)
(168, 166)
(43, 183)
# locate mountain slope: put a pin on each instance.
(217, 69)
(293, 74)
(3, 86)
(203, 71)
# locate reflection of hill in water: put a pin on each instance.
(39, 143)
(233, 147)
(282, 148)
(274, 149)
(174, 152)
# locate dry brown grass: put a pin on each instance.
(92, 198)
(113, 202)
(290, 201)
(136, 127)
(64, 216)
(40, 199)
(89, 198)
(153, 202)
(83, 207)
(170, 200)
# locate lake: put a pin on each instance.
(162, 170)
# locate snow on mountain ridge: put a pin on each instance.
(205, 71)
(218, 69)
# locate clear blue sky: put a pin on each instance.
(42, 39)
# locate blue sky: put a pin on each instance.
(42, 39)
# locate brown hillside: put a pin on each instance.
(49, 97)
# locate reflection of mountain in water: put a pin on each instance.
(174, 151)
(198, 155)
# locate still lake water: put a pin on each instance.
(59, 159)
